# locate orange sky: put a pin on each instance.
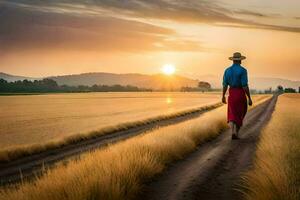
(41, 38)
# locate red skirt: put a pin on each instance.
(237, 106)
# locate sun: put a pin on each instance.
(168, 69)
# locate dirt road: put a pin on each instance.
(214, 170)
(33, 165)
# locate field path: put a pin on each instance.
(214, 170)
(31, 166)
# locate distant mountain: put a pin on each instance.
(12, 78)
(158, 81)
(265, 83)
(259, 83)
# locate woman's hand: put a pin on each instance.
(224, 100)
(250, 102)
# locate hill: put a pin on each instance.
(157, 81)
(264, 83)
(12, 78)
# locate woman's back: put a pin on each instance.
(235, 76)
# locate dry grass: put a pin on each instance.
(276, 174)
(25, 150)
(118, 171)
(30, 119)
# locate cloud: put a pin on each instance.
(112, 25)
(251, 13)
(29, 29)
(263, 26)
(188, 11)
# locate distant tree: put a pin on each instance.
(27, 83)
(49, 83)
(2, 81)
(289, 90)
(280, 89)
(94, 88)
(204, 86)
(84, 88)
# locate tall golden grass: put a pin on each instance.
(28, 120)
(276, 174)
(26, 150)
(118, 171)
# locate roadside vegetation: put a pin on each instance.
(276, 173)
(118, 171)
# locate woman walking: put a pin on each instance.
(236, 78)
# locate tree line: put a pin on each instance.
(286, 90)
(49, 85)
(202, 87)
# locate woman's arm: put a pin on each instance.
(244, 80)
(247, 91)
(224, 93)
(225, 86)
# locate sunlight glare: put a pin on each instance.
(169, 100)
(168, 69)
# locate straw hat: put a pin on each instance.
(237, 56)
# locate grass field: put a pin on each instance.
(118, 171)
(276, 174)
(30, 119)
(145, 116)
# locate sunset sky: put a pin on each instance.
(51, 37)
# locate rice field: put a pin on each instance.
(118, 171)
(276, 174)
(30, 119)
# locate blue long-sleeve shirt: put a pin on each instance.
(235, 76)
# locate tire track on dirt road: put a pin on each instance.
(214, 170)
